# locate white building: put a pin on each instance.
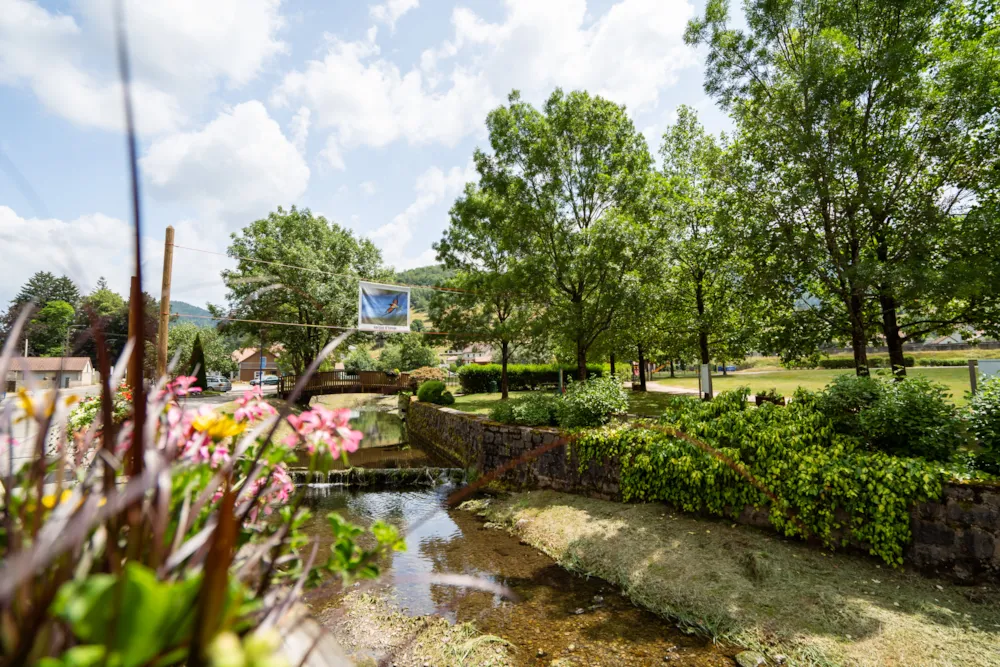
(46, 372)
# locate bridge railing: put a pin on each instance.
(347, 382)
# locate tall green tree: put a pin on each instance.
(866, 123)
(49, 329)
(575, 176)
(41, 288)
(197, 365)
(703, 274)
(492, 301)
(218, 355)
(276, 292)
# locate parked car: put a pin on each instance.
(268, 379)
(219, 383)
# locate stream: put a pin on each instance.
(559, 615)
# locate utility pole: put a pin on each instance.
(133, 373)
(162, 340)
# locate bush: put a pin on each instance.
(834, 488)
(931, 361)
(873, 362)
(592, 403)
(476, 379)
(536, 409)
(435, 391)
(906, 417)
(426, 373)
(359, 360)
(984, 423)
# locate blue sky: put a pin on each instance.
(365, 112)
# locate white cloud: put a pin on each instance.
(433, 187)
(238, 165)
(180, 51)
(83, 249)
(300, 128)
(368, 188)
(629, 54)
(389, 12)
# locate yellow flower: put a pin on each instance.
(218, 426)
(49, 501)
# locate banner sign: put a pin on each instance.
(383, 307)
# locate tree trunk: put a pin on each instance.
(890, 329)
(671, 368)
(504, 352)
(642, 369)
(581, 361)
(612, 363)
(724, 373)
(859, 338)
(703, 347)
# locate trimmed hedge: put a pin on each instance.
(476, 379)
(873, 362)
(435, 391)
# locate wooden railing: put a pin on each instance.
(346, 382)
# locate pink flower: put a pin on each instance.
(181, 385)
(251, 407)
(322, 427)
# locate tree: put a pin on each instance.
(359, 359)
(49, 329)
(491, 301)
(218, 356)
(703, 274)
(277, 292)
(41, 289)
(406, 355)
(868, 124)
(574, 177)
(197, 364)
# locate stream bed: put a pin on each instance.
(560, 618)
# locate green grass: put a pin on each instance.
(648, 404)
(756, 590)
(786, 382)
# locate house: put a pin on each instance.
(49, 372)
(248, 361)
(470, 354)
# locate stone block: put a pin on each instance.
(929, 532)
(979, 545)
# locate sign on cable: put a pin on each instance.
(383, 307)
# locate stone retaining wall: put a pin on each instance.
(957, 536)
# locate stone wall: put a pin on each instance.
(957, 536)
(475, 442)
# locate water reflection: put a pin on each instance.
(558, 612)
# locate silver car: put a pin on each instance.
(219, 383)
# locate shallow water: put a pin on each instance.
(581, 621)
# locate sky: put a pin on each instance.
(367, 113)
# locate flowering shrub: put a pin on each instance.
(170, 561)
(86, 410)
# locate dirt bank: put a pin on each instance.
(756, 590)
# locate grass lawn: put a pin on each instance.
(956, 379)
(648, 404)
(757, 590)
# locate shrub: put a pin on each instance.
(426, 373)
(873, 362)
(359, 360)
(503, 411)
(435, 391)
(476, 379)
(835, 489)
(592, 403)
(984, 423)
(907, 417)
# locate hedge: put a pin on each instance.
(476, 379)
(873, 362)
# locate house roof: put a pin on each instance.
(50, 364)
(247, 352)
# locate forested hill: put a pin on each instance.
(435, 274)
(185, 310)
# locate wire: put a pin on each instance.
(314, 326)
(328, 273)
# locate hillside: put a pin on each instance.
(435, 274)
(185, 310)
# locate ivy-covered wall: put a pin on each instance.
(957, 536)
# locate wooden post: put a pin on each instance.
(972, 374)
(162, 334)
(133, 373)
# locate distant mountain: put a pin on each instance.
(435, 274)
(185, 310)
